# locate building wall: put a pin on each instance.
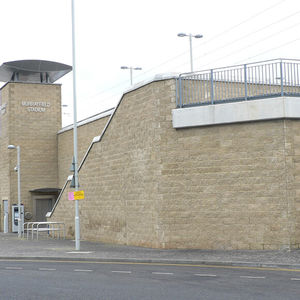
(85, 134)
(32, 119)
(233, 178)
(231, 186)
(292, 141)
(120, 176)
(4, 158)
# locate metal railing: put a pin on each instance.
(50, 228)
(273, 78)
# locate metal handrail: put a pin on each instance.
(251, 81)
(239, 65)
(49, 214)
(50, 227)
(96, 139)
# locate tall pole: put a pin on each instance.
(130, 75)
(131, 70)
(77, 221)
(197, 36)
(191, 52)
(19, 192)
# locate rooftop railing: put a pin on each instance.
(273, 78)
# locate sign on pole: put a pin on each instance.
(78, 195)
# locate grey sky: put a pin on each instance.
(142, 33)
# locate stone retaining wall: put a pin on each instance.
(231, 186)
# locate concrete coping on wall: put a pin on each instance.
(88, 120)
(157, 77)
(237, 112)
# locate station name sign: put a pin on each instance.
(33, 106)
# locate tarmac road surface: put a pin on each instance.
(36, 279)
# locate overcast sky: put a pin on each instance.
(138, 33)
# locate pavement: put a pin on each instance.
(11, 247)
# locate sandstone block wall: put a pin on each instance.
(85, 133)
(292, 143)
(4, 159)
(32, 119)
(225, 187)
(120, 177)
(219, 187)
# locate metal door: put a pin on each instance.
(42, 207)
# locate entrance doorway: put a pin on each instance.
(42, 206)
(43, 200)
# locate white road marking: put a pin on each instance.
(13, 268)
(295, 279)
(162, 273)
(124, 272)
(206, 275)
(46, 269)
(81, 270)
(79, 252)
(253, 277)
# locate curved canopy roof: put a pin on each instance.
(35, 71)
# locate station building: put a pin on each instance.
(205, 160)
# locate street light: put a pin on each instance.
(197, 36)
(75, 157)
(18, 169)
(130, 68)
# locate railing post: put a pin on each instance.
(212, 86)
(245, 78)
(281, 79)
(180, 92)
(176, 91)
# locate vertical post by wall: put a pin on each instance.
(179, 96)
(212, 86)
(281, 79)
(176, 89)
(245, 79)
(77, 221)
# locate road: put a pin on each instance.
(117, 281)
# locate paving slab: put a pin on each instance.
(53, 249)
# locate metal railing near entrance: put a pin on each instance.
(272, 78)
(52, 229)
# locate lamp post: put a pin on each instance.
(130, 68)
(18, 169)
(197, 36)
(75, 156)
